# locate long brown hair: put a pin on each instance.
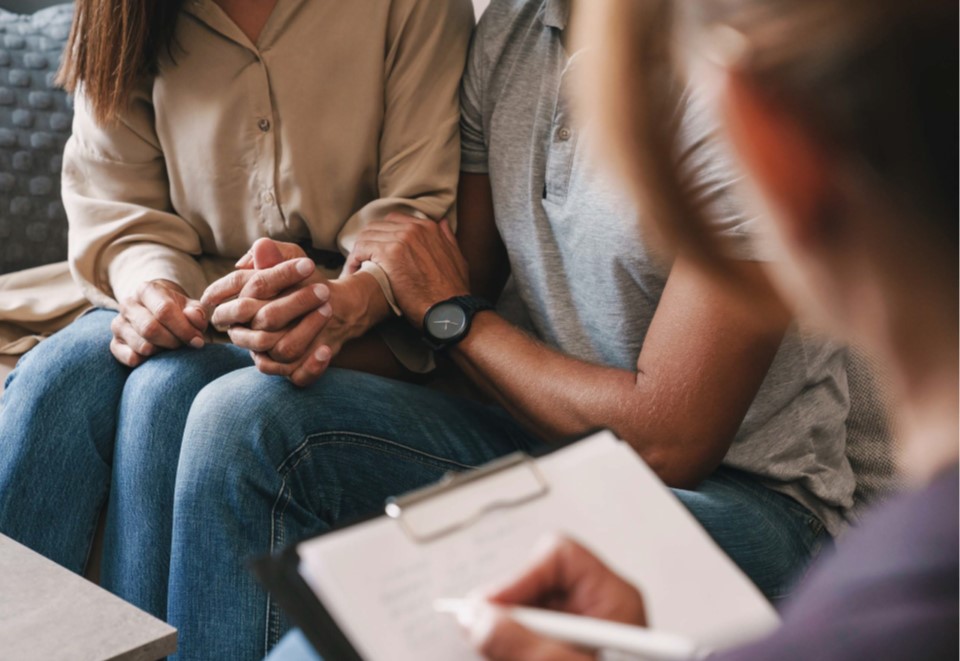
(875, 79)
(113, 46)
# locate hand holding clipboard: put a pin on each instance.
(367, 591)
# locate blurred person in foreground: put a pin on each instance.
(844, 116)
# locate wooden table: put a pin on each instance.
(49, 613)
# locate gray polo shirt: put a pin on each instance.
(587, 279)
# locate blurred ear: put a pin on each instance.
(790, 168)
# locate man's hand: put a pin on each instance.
(421, 258)
(565, 577)
(159, 316)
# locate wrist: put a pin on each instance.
(359, 301)
(482, 322)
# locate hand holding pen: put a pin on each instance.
(568, 579)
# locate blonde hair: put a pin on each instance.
(876, 80)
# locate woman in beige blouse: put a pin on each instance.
(202, 126)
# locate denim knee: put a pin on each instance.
(224, 427)
(77, 358)
(71, 376)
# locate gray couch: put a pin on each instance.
(35, 122)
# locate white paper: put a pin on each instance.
(379, 584)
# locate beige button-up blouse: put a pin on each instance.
(342, 111)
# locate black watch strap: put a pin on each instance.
(471, 304)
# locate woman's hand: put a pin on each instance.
(160, 316)
(421, 258)
(303, 352)
(291, 318)
(565, 577)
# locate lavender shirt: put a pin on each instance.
(889, 592)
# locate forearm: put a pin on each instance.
(553, 395)
(703, 360)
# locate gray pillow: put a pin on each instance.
(35, 119)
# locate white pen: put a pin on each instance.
(583, 631)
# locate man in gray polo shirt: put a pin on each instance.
(743, 416)
(597, 297)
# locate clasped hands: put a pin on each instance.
(285, 312)
(294, 321)
(291, 318)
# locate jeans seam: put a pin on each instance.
(349, 437)
(296, 456)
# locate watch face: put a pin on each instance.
(446, 321)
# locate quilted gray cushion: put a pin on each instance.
(35, 120)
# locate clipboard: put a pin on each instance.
(364, 591)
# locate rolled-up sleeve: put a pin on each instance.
(122, 228)
(420, 140)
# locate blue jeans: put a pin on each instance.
(79, 430)
(264, 464)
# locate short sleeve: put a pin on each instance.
(473, 146)
(711, 177)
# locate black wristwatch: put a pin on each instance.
(448, 322)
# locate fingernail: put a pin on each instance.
(305, 266)
(322, 354)
(200, 311)
(321, 292)
(325, 310)
(197, 343)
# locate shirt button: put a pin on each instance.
(563, 134)
(267, 198)
(264, 124)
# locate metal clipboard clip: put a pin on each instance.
(460, 500)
